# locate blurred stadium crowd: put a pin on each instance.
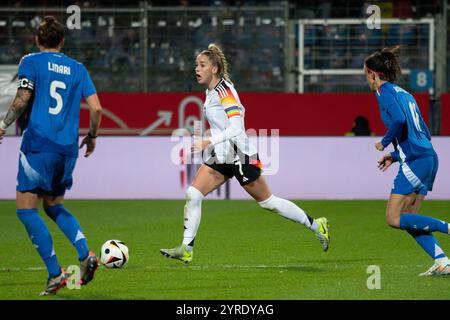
(129, 49)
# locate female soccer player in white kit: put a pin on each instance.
(233, 155)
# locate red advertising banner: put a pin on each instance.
(445, 114)
(293, 114)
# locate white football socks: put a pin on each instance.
(192, 215)
(193, 212)
(289, 210)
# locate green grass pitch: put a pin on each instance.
(242, 252)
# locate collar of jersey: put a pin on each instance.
(379, 90)
(218, 83)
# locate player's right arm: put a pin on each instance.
(398, 120)
(385, 162)
(27, 77)
(18, 106)
(234, 114)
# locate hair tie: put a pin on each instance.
(377, 72)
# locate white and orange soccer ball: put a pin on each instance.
(114, 254)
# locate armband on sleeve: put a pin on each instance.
(25, 83)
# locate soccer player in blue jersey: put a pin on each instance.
(51, 86)
(409, 135)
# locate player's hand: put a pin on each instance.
(379, 146)
(90, 145)
(385, 162)
(2, 133)
(200, 144)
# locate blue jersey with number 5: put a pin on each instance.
(58, 83)
(407, 130)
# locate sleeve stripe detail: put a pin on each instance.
(221, 91)
(228, 100)
(224, 91)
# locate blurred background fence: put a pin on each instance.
(273, 46)
(136, 46)
(153, 48)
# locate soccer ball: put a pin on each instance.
(114, 254)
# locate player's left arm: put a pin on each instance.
(398, 120)
(16, 109)
(95, 116)
(395, 155)
(385, 162)
(95, 113)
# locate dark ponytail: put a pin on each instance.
(385, 64)
(50, 32)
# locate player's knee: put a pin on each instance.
(193, 195)
(53, 211)
(393, 221)
(269, 204)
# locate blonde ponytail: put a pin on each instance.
(217, 57)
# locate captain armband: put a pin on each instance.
(25, 83)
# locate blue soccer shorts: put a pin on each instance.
(45, 173)
(416, 176)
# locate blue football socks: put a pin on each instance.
(428, 243)
(41, 239)
(422, 223)
(70, 227)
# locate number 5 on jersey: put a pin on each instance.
(55, 95)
